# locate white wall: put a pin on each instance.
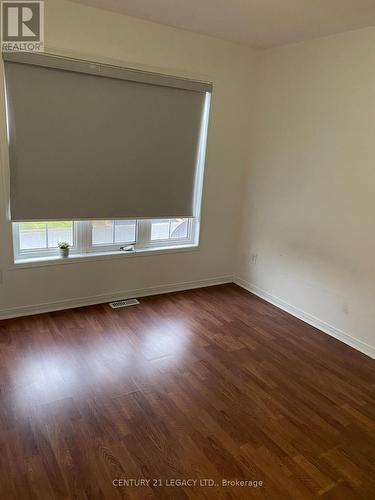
(89, 33)
(308, 199)
(309, 205)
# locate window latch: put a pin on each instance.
(127, 248)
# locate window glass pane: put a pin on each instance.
(160, 229)
(102, 232)
(179, 228)
(125, 231)
(32, 235)
(59, 231)
(38, 237)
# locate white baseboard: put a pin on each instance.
(15, 312)
(308, 318)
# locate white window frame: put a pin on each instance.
(40, 253)
(82, 230)
(82, 238)
(105, 247)
(145, 241)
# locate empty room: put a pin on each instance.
(187, 285)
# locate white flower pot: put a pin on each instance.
(64, 252)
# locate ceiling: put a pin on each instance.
(258, 23)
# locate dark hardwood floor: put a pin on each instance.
(208, 384)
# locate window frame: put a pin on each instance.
(82, 233)
(168, 242)
(105, 247)
(35, 253)
(83, 246)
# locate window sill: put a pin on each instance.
(95, 256)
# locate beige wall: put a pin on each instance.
(309, 202)
(89, 33)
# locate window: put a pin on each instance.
(111, 232)
(39, 240)
(169, 229)
(44, 235)
(157, 170)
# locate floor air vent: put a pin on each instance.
(123, 303)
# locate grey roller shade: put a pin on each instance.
(89, 141)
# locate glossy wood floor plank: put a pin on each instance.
(211, 384)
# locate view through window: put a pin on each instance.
(40, 238)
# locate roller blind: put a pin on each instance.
(89, 141)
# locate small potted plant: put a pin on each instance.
(64, 249)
